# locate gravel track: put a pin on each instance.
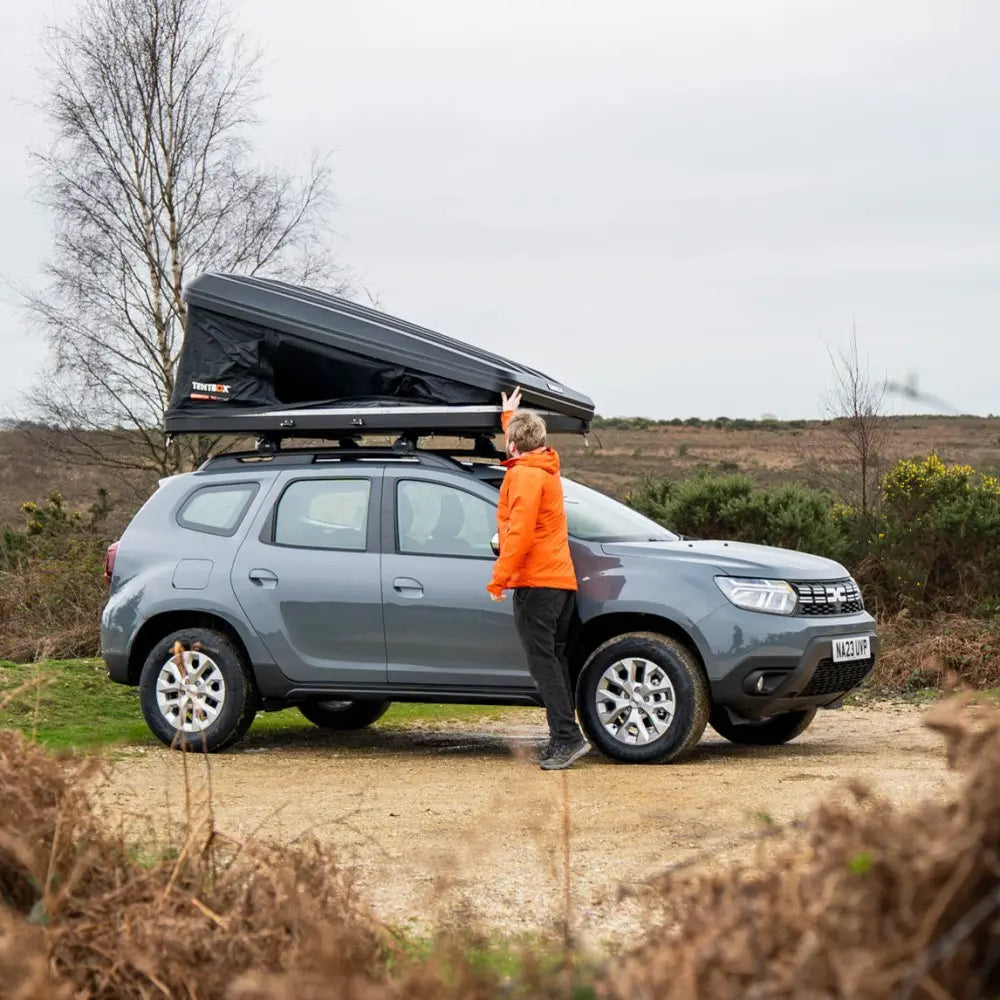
(455, 821)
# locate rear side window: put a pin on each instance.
(218, 510)
(324, 514)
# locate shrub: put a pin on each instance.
(732, 507)
(622, 423)
(936, 541)
(51, 581)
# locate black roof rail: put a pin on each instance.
(440, 457)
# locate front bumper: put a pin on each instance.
(117, 664)
(785, 664)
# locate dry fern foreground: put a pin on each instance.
(864, 901)
(860, 901)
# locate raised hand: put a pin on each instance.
(511, 403)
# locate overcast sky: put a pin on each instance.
(673, 207)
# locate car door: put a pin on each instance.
(308, 577)
(441, 627)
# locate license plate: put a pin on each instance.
(852, 647)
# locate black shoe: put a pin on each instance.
(545, 751)
(563, 755)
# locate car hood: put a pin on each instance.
(734, 558)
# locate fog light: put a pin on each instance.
(763, 682)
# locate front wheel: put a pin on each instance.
(764, 732)
(643, 697)
(344, 714)
(196, 692)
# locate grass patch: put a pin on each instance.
(514, 958)
(76, 706)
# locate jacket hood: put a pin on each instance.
(547, 459)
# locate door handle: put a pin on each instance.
(408, 587)
(263, 578)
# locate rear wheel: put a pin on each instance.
(643, 697)
(763, 732)
(196, 691)
(344, 714)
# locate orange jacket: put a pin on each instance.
(534, 543)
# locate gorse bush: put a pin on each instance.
(934, 543)
(51, 581)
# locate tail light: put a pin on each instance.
(109, 561)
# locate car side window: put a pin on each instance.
(433, 519)
(324, 514)
(217, 510)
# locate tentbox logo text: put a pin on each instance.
(210, 390)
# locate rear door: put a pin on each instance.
(308, 578)
(441, 627)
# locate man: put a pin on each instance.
(535, 563)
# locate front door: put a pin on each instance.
(308, 579)
(441, 627)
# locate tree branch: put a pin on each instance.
(149, 179)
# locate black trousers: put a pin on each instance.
(543, 617)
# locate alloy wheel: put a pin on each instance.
(635, 701)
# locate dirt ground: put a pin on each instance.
(456, 821)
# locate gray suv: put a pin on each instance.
(338, 580)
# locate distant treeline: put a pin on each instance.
(726, 423)
(764, 423)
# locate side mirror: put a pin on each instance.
(495, 544)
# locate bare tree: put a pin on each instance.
(856, 404)
(149, 180)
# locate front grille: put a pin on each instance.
(842, 597)
(836, 678)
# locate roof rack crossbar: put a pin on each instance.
(303, 455)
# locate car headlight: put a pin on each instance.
(774, 597)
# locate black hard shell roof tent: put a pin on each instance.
(272, 360)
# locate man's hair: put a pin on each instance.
(526, 431)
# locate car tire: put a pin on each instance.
(672, 692)
(764, 732)
(219, 711)
(352, 714)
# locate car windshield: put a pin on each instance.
(593, 517)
